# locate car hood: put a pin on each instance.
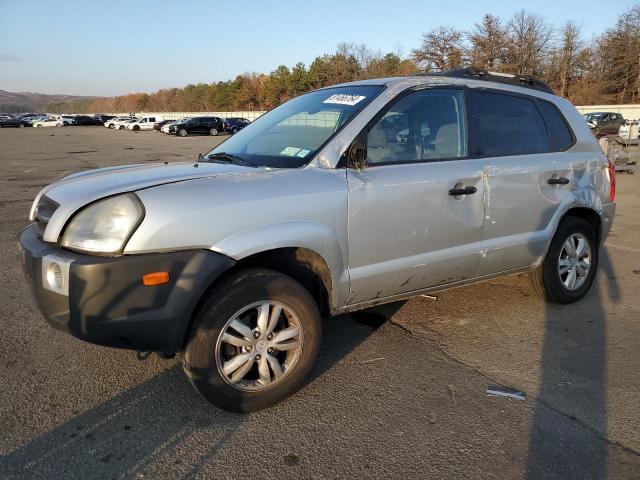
(75, 191)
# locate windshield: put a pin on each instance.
(289, 135)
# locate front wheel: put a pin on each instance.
(234, 131)
(254, 341)
(182, 132)
(568, 270)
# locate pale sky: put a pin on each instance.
(116, 47)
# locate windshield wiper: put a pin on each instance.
(225, 157)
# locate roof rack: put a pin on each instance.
(518, 80)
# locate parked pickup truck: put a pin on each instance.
(338, 200)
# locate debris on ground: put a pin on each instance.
(499, 391)
(372, 360)
(453, 394)
(430, 297)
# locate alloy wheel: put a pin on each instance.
(259, 346)
(574, 263)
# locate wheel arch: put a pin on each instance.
(589, 215)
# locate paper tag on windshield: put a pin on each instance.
(303, 153)
(342, 99)
(290, 151)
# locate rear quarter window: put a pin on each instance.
(560, 135)
(510, 125)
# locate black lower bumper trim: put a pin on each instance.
(109, 305)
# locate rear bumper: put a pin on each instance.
(107, 304)
(608, 212)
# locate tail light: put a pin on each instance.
(612, 181)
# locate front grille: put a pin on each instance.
(44, 211)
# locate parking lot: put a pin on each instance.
(401, 398)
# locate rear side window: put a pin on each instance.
(510, 125)
(560, 137)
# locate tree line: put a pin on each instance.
(602, 70)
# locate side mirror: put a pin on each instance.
(357, 154)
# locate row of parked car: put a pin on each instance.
(205, 125)
(48, 120)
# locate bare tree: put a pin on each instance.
(488, 43)
(442, 48)
(529, 40)
(569, 57)
(620, 48)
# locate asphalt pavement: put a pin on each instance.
(403, 398)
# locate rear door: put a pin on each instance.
(416, 210)
(203, 125)
(523, 140)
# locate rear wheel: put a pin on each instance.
(234, 130)
(254, 341)
(568, 270)
(213, 131)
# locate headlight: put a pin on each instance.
(104, 226)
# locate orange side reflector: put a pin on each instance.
(155, 278)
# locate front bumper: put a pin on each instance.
(107, 304)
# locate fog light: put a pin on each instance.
(55, 277)
(55, 274)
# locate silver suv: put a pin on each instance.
(338, 200)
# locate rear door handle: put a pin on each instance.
(558, 181)
(462, 191)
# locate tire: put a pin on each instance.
(205, 353)
(39, 126)
(547, 280)
(111, 125)
(121, 127)
(234, 131)
(182, 132)
(213, 131)
(136, 128)
(21, 125)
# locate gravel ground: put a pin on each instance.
(403, 398)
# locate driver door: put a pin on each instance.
(416, 210)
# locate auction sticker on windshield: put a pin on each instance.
(343, 99)
(290, 151)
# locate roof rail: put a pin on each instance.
(518, 80)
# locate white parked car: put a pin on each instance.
(630, 132)
(116, 122)
(48, 122)
(144, 123)
(122, 125)
(66, 120)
